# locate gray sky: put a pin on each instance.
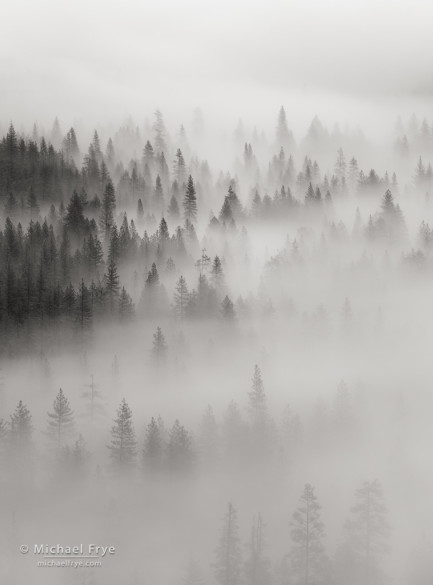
(82, 60)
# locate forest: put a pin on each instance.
(214, 352)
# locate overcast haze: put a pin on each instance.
(82, 60)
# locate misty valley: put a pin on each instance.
(215, 353)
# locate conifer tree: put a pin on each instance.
(153, 450)
(126, 306)
(366, 538)
(190, 201)
(111, 280)
(181, 298)
(180, 455)
(307, 555)
(123, 442)
(60, 420)
(257, 567)
(159, 347)
(228, 562)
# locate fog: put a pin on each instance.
(215, 293)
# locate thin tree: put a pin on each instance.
(60, 420)
(307, 555)
(190, 201)
(159, 347)
(123, 443)
(228, 563)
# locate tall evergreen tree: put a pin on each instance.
(307, 555)
(228, 562)
(60, 420)
(123, 442)
(190, 201)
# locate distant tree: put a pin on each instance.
(284, 137)
(181, 298)
(257, 567)
(126, 306)
(20, 430)
(160, 133)
(193, 575)
(112, 286)
(173, 209)
(60, 420)
(227, 310)
(159, 347)
(123, 442)
(108, 207)
(228, 562)
(153, 450)
(180, 455)
(365, 539)
(257, 399)
(190, 201)
(307, 555)
(217, 275)
(209, 437)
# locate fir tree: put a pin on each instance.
(190, 201)
(153, 449)
(307, 555)
(60, 420)
(123, 443)
(159, 347)
(228, 563)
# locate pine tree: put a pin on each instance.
(307, 555)
(153, 450)
(112, 286)
(217, 275)
(60, 420)
(209, 437)
(257, 397)
(83, 307)
(366, 538)
(190, 201)
(94, 400)
(181, 298)
(257, 567)
(126, 306)
(180, 455)
(21, 428)
(228, 563)
(108, 207)
(123, 443)
(227, 310)
(159, 347)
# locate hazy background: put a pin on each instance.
(360, 61)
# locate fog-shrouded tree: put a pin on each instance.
(257, 567)
(112, 285)
(180, 453)
(366, 538)
(123, 446)
(60, 420)
(228, 561)
(153, 449)
(159, 347)
(307, 555)
(21, 429)
(190, 201)
(181, 298)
